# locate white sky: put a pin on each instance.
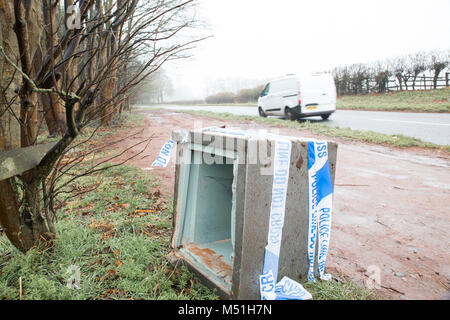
(260, 39)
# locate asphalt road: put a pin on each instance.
(429, 127)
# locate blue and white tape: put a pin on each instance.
(278, 205)
(286, 288)
(320, 207)
(163, 159)
(320, 213)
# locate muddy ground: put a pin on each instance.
(391, 206)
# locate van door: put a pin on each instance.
(263, 98)
(268, 98)
(274, 98)
(316, 90)
(289, 94)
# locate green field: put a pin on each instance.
(412, 101)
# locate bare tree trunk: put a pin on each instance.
(21, 218)
(9, 215)
(435, 78)
(32, 225)
(9, 205)
(71, 82)
(46, 100)
(49, 115)
(125, 11)
(400, 81)
(91, 45)
(108, 91)
(21, 215)
(9, 80)
(28, 98)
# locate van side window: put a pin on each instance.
(265, 92)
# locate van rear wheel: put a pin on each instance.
(261, 112)
(325, 116)
(289, 114)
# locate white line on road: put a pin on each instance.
(415, 122)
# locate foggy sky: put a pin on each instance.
(263, 39)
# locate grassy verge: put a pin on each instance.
(119, 250)
(335, 290)
(411, 101)
(320, 128)
(117, 235)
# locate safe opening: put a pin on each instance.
(207, 233)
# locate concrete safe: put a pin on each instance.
(223, 192)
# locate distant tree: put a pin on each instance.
(369, 77)
(399, 67)
(408, 73)
(358, 75)
(417, 64)
(342, 80)
(345, 80)
(382, 75)
(248, 95)
(439, 60)
(222, 97)
(230, 84)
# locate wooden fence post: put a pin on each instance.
(446, 79)
(424, 83)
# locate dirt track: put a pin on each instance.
(391, 207)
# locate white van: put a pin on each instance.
(299, 96)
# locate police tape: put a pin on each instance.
(320, 213)
(286, 288)
(163, 159)
(320, 207)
